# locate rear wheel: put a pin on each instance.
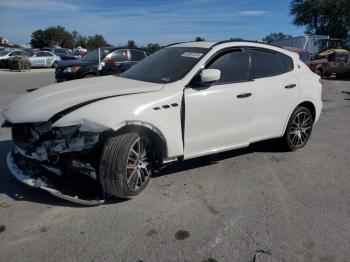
(299, 129)
(126, 164)
(89, 75)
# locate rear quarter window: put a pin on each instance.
(269, 63)
(137, 55)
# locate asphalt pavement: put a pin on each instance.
(254, 204)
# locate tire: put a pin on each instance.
(122, 173)
(319, 72)
(89, 75)
(299, 129)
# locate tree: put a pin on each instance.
(199, 39)
(131, 44)
(151, 48)
(322, 17)
(52, 36)
(96, 41)
(275, 36)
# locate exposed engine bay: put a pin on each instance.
(53, 158)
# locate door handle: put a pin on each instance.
(290, 86)
(244, 95)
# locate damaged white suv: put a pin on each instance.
(186, 100)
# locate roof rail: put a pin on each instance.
(178, 43)
(248, 41)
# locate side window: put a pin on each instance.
(118, 56)
(40, 54)
(265, 64)
(234, 66)
(288, 62)
(342, 58)
(137, 55)
(15, 53)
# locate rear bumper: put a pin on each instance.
(60, 76)
(23, 171)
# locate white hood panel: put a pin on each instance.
(42, 104)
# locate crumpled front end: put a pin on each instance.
(56, 159)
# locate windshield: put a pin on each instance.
(4, 52)
(93, 55)
(167, 65)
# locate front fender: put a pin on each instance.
(160, 111)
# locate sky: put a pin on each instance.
(148, 21)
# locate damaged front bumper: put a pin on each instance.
(38, 176)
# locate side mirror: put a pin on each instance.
(210, 76)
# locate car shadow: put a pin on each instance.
(271, 146)
(20, 192)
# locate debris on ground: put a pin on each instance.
(2, 228)
(261, 252)
(4, 205)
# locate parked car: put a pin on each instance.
(7, 54)
(184, 101)
(64, 54)
(102, 61)
(305, 56)
(44, 59)
(338, 63)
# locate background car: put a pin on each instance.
(7, 54)
(305, 56)
(64, 54)
(338, 63)
(44, 59)
(102, 61)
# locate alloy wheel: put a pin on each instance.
(139, 164)
(300, 129)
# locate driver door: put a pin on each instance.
(218, 117)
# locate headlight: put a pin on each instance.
(71, 69)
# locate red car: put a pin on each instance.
(315, 65)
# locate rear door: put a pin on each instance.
(39, 59)
(276, 91)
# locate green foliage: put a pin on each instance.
(52, 36)
(199, 39)
(131, 44)
(96, 41)
(151, 48)
(58, 36)
(322, 17)
(275, 36)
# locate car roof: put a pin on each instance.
(228, 43)
(332, 51)
(294, 49)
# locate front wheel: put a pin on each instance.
(126, 164)
(299, 129)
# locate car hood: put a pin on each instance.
(67, 63)
(42, 104)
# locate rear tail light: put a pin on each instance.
(321, 81)
(111, 62)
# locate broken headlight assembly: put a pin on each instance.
(41, 142)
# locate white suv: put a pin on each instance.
(185, 101)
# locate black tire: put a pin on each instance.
(89, 75)
(115, 176)
(319, 72)
(298, 131)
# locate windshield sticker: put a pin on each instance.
(192, 55)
